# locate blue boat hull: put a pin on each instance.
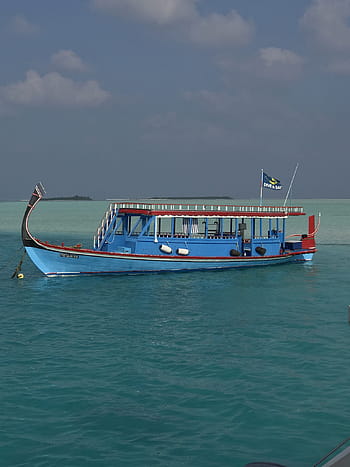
(60, 261)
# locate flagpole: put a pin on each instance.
(261, 186)
(291, 183)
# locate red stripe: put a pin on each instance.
(169, 258)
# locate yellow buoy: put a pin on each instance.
(20, 276)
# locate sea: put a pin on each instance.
(205, 369)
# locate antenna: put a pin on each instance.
(291, 183)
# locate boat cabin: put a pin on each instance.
(199, 230)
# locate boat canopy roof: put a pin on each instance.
(205, 210)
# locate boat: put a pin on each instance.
(140, 237)
(337, 457)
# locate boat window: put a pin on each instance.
(186, 225)
(150, 227)
(267, 228)
(164, 227)
(229, 227)
(119, 226)
(180, 227)
(200, 227)
(134, 225)
(214, 227)
(189, 227)
(245, 228)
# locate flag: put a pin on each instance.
(270, 182)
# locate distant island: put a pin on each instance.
(68, 198)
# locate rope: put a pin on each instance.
(19, 266)
(10, 259)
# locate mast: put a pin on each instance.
(291, 183)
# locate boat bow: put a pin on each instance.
(37, 195)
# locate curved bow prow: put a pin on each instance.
(37, 195)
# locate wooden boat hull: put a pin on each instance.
(60, 261)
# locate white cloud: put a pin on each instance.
(278, 64)
(153, 11)
(218, 29)
(161, 121)
(327, 22)
(214, 29)
(271, 63)
(68, 60)
(274, 55)
(20, 25)
(52, 90)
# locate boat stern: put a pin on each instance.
(308, 241)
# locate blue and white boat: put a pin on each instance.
(139, 237)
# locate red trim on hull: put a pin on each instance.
(90, 252)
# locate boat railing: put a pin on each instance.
(198, 207)
(105, 224)
(210, 235)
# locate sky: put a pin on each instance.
(142, 98)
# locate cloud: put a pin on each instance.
(21, 26)
(280, 64)
(52, 90)
(271, 63)
(160, 12)
(327, 23)
(218, 29)
(274, 55)
(68, 60)
(211, 30)
(161, 121)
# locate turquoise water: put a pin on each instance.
(192, 369)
